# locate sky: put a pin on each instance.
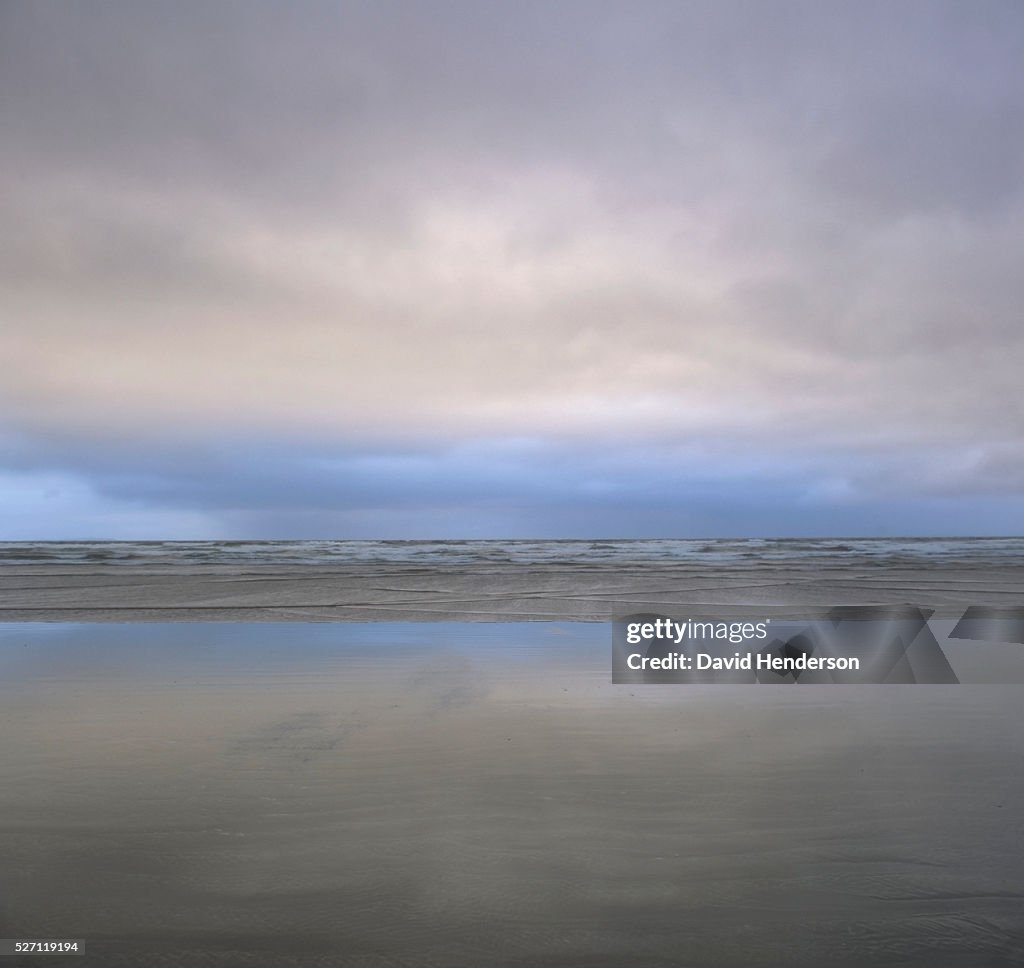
(480, 270)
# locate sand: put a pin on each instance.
(494, 592)
(280, 795)
(186, 795)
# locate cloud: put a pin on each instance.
(651, 230)
(224, 487)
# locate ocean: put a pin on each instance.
(603, 552)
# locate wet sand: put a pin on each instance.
(470, 794)
(580, 591)
(436, 795)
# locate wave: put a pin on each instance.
(582, 552)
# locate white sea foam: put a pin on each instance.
(473, 552)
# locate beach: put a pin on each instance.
(360, 364)
(420, 786)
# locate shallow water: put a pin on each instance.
(447, 794)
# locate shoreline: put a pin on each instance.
(492, 592)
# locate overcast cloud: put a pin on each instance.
(511, 269)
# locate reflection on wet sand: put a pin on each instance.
(263, 795)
